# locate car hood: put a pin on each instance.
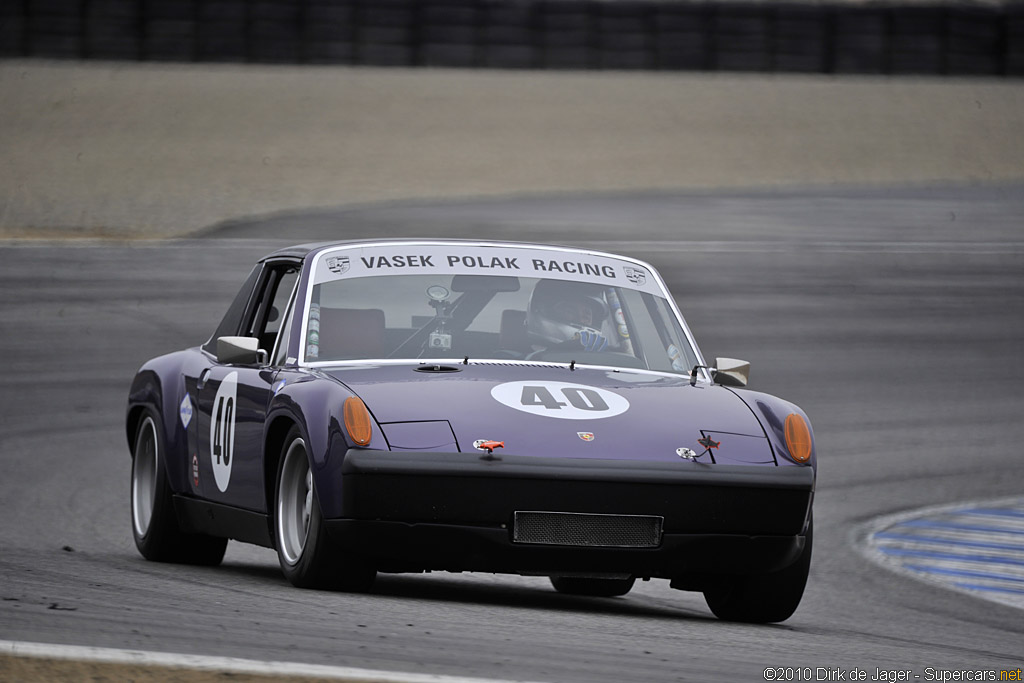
(552, 411)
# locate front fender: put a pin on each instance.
(771, 412)
(159, 387)
(314, 403)
(146, 392)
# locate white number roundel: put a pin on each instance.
(561, 400)
(222, 430)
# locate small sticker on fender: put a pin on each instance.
(185, 411)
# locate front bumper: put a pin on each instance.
(408, 511)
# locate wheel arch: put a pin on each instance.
(146, 392)
(316, 406)
(132, 424)
(276, 433)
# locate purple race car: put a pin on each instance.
(403, 406)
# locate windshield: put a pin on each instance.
(453, 316)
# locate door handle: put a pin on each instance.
(203, 376)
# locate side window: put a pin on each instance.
(232, 320)
(268, 316)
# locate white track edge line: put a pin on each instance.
(230, 664)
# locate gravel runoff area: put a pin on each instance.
(159, 150)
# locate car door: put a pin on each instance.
(233, 398)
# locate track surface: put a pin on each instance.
(895, 318)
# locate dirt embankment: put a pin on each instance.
(149, 150)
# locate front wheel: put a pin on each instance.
(154, 523)
(307, 556)
(764, 598)
(599, 588)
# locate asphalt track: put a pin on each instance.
(895, 317)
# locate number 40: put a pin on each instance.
(222, 432)
(579, 397)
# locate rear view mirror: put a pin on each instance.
(731, 372)
(239, 351)
(485, 283)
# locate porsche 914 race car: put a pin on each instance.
(409, 406)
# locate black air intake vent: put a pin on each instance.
(576, 529)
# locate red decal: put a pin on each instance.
(708, 443)
(487, 445)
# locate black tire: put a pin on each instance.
(154, 523)
(599, 588)
(765, 598)
(308, 557)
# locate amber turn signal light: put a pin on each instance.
(357, 421)
(798, 438)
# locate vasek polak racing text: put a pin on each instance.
(823, 673)
(387, 259)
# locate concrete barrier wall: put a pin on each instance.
(960, 39)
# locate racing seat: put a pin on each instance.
(512, 338)
(347, 333)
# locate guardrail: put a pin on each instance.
(955, 39)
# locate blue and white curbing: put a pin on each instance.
(975, 548)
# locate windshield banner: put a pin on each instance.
(422, 259)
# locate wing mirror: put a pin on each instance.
(240, 351)
(731, 372)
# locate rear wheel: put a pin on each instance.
(307, 556)
(764, 598)
(154, 523)
(602, 588)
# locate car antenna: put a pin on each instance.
(465, 361)
(572, 366)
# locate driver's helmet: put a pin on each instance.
(562, 310)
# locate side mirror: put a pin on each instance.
(731, 372)
(240, 351)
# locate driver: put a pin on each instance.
(568, 315)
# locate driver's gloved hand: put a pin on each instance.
(592, 341)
